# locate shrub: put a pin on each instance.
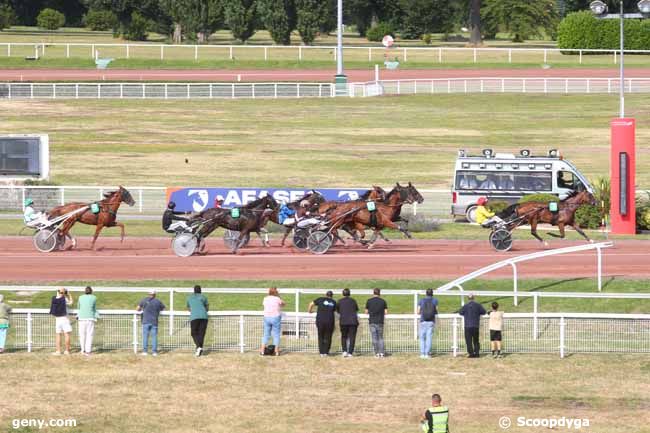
(7, 16)
(100, 20)
(377, 33)
(601, 193)
(136, 30)
(427, 38)
(542, 197)
(588, 217)
(497, 206)
(50, 19)
(581, 30)
(420, 223)
(643, 212)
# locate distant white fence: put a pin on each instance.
(315, 53)
(241, 331)
(152, 200)
(538, 85)
(147, 90)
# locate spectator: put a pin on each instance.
(59, 309)
(151, 308)
(427, 309)
(506, 183)
(436, 418)
(489, 183)
(86, 317)
(198, 306)
(324, 321)
(496, 326)
(472, 312)
(468, 181)
(377, 308)
(272, 321)
(4, 322)
(348, 322)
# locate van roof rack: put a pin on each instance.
(523, 153)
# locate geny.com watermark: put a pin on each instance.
(43, 423)
(506, 422)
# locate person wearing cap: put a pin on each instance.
(326, 306)
(30, 214)
(169, 216)
(484, 216)
(4, 322)
(472, 312)
(436, 418)
(151, 308)
(286, 215)
(86, 317)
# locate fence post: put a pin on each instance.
(171, 312)
(297, 90)
(562, 325)
(600, 269)
(230, 52)
(9, 90)
(580, 56)
(481, 86)
(188, 90)
(139, 197)
(121, 90)
(241, 333)
(162, 52)
(31, 90)
(165, 90)
(67, 51)
(29, 332)
(196, 52)
(503, 85)
(8, 50)
(588, 85)
(454, 333)
(22, 202)
(510, 55)
(135, 333)
(297, 311)
(609, 85)
(415, 312)
(545, 55)
(566, 86)
(369, 54)
(210, 90)
(127, 51)
(266, 54)
(92, 51)
(398, 87)
(439, 55)
(232, 90)
(535, 310)
(300, 53)
(514, 282)
(62, 192)
(465, 85)
(545, 86)
(405, 57)
(474, 55)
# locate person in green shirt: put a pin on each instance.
(86, 315)
(197, 305)
(4, 322)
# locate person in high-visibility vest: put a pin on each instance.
(436, 418)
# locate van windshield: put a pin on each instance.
(503, 181)
(566, 179)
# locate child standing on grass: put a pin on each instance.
(496, 326)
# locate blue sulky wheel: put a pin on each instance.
(501, 240)
(319, 242)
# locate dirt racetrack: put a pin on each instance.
(315, 75)
(152, 258)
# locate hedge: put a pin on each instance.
(540, 197)
(582, 30)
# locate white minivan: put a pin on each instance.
(508, 177)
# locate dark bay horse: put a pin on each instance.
(534, 213)
(307, 203)
(251, 219)
(106, 217)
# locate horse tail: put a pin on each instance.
(508, 212)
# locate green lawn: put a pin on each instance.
(397, 304)
(324, 142)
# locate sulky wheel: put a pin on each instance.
(185, 244)
(319, 242)
(230, 238)
(300, 238)
(46, 240)
(501, 240)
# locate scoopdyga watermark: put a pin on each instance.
(569, 423)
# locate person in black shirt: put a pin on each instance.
(170, 216)
(324, 321)
(348, 321)
(472, 312)
(376, 309)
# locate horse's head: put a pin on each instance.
(125, 196)
(377, 193)
(415, 194)
(310, 200)
(405, 196)
(268, 202)
(585, 197)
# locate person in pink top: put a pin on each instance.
(272, 321)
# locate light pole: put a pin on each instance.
(340, 80)
(623, 152)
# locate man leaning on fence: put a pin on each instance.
(472, 312)
(151, 308)
(86, 318)
(376, 309)
(198, 306)
(324, 321)
(427, 309)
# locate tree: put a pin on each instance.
(50, 19)
(426, 16)
(313, 15)
(522, 18)
(7, 16)
(194, 19)
(279, 18)
(475, 22)
(100, 20)
(241, 18)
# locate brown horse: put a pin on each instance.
(534, 213)
(106, 217)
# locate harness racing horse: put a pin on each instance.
(382, 217)
(534, 213)
(307, 203)
(251, 219)
(106, 217)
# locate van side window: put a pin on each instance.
(533, 181)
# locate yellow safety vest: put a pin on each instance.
(483, 214)
(438, 422)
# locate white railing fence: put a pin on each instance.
(241, 331)
(147, 90)
(537, 85)
(152, 200)
(317, 53)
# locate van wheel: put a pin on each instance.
(470, 214)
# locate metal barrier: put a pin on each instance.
(315, 53)
(241, 331)
(538, 85)
(165, 90)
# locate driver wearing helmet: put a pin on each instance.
(286, 215)
(169, 216)
(30, 215)
(484, 216)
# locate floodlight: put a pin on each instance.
(461, 153)
(488, 153)
(598, 7)
(525, 153)
(553, 153)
